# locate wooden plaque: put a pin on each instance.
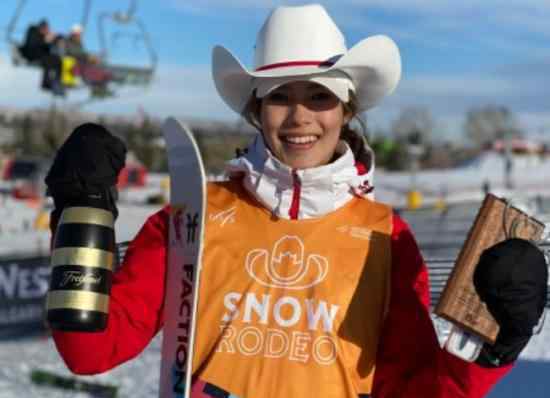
(459, 303)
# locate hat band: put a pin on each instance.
(294, 63)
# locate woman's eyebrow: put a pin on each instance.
(315, 86)
(284, 88)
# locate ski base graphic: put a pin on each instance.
(187, 204)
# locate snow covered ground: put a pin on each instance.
(529, 175)
(21, 234)
(135, 379)
(139, 378)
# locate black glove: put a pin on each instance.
(511, 278)
(85, 169)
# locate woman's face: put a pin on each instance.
(301, 123)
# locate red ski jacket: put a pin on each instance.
(409, 360)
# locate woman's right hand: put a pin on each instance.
(85, 169)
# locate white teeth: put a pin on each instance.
(300, 140)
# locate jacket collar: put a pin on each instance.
(321, 189)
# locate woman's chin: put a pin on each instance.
(303, 163)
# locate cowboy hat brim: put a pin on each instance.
(373, 65)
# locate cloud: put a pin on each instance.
(176, 90)
(215, 6)
(519, 12)
(434, 23)
(448, 93)
(20, 86)
(189, 92)
(536, 124)
(449, 97)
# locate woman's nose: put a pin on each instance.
(299, 114)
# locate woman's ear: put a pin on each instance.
(350, 108)
(348, 115)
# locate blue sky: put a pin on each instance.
(456, 55)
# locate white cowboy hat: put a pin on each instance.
(303, 43)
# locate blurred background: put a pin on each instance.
(470, 116)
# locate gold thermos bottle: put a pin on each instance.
(82, 261)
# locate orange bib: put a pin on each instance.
(291, 308)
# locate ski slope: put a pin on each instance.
(529, 175)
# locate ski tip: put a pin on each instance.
(172, 122)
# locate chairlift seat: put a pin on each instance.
(130, 75)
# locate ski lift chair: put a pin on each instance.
(15, 45)
(131, 76)
(126, 74)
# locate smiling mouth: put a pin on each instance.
(299, 140)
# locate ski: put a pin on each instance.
(187, 203)
(42, 377)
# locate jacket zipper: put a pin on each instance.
(296, 191)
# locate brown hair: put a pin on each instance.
(251, 111)
(356, 141)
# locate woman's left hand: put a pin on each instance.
(511, 278)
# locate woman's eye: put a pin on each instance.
(321, 96)
(277, 97)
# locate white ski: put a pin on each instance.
(187, 201)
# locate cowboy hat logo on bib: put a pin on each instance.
(304, 43)
(287, 265)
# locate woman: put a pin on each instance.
(309, 287)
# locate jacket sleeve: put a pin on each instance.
(135, 307)
(410, 362)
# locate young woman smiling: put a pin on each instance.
(309, 287)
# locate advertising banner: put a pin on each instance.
(23, 288)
